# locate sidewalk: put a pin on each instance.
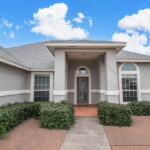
(86, 134)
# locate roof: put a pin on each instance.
(7, 57)
(37, 55)
(34, 56)
(130, 56)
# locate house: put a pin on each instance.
(80, 71)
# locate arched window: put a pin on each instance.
(129, 82)
(82, 70)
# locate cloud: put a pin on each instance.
(136, 42)
(136, 29)
(52, 21)
(139, 21)
(90, 22)
(79, 18)
(6, 23)
(18, 27)
(11, 34)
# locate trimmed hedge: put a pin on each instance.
(140, 108)
(52, 115)
(114, 114)
(13, 114)
(57, 115)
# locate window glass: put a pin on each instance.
(82, 71)
(129, 87)
(128, 67)
(41, 87)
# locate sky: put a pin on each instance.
(28, 21)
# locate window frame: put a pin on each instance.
(50, 85)
(137, 73)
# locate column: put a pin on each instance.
(112, 91)
(60, 76)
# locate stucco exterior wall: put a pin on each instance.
(13, 79)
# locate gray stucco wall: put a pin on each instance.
(12, 78)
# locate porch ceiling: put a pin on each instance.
(84, 56)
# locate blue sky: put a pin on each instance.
(80, 19)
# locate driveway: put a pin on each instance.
(29, 136)
(136, 137)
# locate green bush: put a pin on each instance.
(114, 114)
(57, 115)
(140, 108)
(52, 115)
(2, 130)
(13, 114)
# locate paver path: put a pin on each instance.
(135, 137)
(86, 134)
(29, 136)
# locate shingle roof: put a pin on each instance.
(34, 56)
(38, 56)
(125, 55)
(6, 55)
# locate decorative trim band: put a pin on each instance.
(92, 90)
(109, 93)
(13, 92)
(145, 91)
(59, 93)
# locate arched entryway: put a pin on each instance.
(82, 85)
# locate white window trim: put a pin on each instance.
(32, 85)
(75, 82)
(137, 72)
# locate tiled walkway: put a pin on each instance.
(136, 137)
(85, 110)
(29, 136)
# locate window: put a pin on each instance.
(82, 71)
(128, 67)
(41, 87)
(129, 87)
(129, 83)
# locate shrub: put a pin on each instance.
(57, 115)
(2, 130)
(13, 114)
(114, 114)
(140, 108)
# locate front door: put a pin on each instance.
(82, 90)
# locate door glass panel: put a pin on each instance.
(82, 90)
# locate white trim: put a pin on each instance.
(113, 93)
(32, 85)
(137, 72)
(13, 92)
(59, 93)
(145, 91)
(13, 64)
(75, 82)
(121, 44)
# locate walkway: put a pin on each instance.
(135, 137)
(85, 110)
(29, 136)
(86, 134)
